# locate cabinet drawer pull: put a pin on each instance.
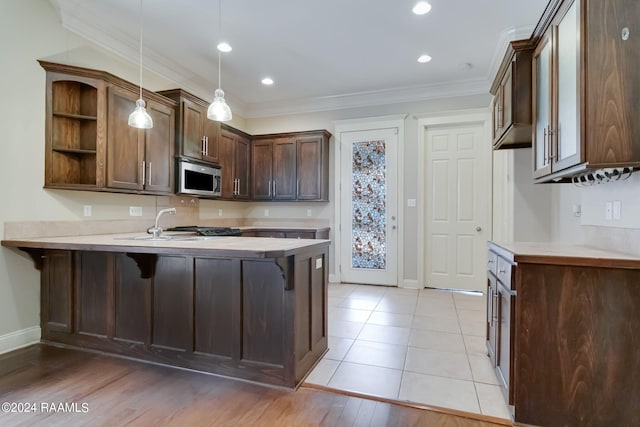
(490, 261)
(502, 271)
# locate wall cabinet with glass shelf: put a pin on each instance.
(585, 88)
(83, 119)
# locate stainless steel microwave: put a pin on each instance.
(198, 179)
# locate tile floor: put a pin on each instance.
(424, 346)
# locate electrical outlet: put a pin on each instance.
(135, 211)
(308, 212)
(266, 212)
(411, 203)
(87, 210)
(219, 212)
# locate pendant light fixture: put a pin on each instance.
(219, 110)
(140, 118)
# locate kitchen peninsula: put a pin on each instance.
(244, 307)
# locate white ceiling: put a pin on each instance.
(322, 55)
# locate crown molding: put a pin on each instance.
(369, 99)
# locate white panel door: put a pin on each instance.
(369, 206)
(457, 212)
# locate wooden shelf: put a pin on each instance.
(75, 116)
(73, 150)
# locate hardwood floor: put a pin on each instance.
(105, 390)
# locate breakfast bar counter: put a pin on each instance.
(249, 308)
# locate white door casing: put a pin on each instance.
(374, 258)
(456, 211)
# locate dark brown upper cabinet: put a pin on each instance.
(88, 144)
(585, 88)
(512, 98)
(139, 159)
(234, 163)
(289, 167)
(197, 137)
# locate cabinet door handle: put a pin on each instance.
(206, 145)
(144, 172)
(297, 188)
(149, 174)
(269, 188)
(274, 188)
(495, 307)
(545, 159)
(553, 152)
(502, 271)
(202, 145)
(237, 186)
(490, 261)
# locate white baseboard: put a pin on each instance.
(15, 340)
(334, 278)
(410, 284)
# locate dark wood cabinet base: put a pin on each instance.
(261, 319)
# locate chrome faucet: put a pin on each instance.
(155, 230)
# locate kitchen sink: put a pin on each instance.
(168, 238)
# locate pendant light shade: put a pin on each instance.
(219, 110)
(140, 118)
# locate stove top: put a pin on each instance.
(208, 231)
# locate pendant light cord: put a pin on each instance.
(140, 49)
(219, 41)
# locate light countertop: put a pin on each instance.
(255, 247)
(564, 254)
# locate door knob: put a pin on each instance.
(478, 228)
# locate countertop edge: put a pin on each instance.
(574, 255)
(163, 249)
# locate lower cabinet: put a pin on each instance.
(500, 318)
(260, 319)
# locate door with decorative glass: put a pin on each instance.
(369, 207)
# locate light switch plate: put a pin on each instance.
(411, 203)
(135, 211)
(318, 263)
(617, 210)
(87, 210)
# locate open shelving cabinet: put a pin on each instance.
(75, 136)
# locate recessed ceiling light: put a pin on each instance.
(224, 47)
(421, 8)
(267, 81)
(424, 59)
